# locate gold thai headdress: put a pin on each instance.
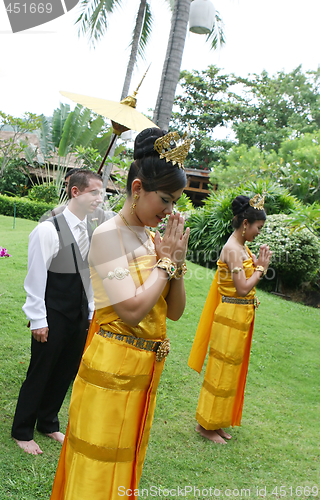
(167, 148)
(257, 201)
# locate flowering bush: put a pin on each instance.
(296, 254)
(4, 253)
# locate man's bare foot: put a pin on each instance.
(57, 436)
(211, 435)
(223, 434)
(30, 447)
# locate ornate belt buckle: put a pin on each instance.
(256, 302)
(163, 350)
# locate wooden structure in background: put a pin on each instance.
(197, 185)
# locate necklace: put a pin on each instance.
(148, 245)
(242, 244)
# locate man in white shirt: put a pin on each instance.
(58, 305)
(97, 217)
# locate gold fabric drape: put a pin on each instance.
(228, 328)
(112, 405)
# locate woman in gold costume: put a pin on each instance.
(227, 323)
(137, 280)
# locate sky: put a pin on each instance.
(36, 64)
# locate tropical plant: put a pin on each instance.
(295, 255)
(60, 139)
(210, 226)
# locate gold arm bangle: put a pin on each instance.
(236, 270)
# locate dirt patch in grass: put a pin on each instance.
(305, 295)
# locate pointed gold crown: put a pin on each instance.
(167, 148)
(257, 201)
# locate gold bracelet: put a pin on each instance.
(181, 271)
(168, 266)
(261, 269)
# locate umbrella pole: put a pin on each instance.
(108, 151)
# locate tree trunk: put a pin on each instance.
(134, 48)
(172, 64)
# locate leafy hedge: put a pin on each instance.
(296, 254)
(25, 208)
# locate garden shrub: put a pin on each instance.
(296, 254)
(25, 208)
(46, 193)
(14, 181)
(210, 226)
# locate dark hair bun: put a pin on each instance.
(240, 204)
(144, 142)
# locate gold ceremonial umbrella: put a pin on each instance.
(122, 113)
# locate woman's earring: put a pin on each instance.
(133, 205)
(244, 231)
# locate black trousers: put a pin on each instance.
(53, 365)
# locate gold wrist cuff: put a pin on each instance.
(181, 271)
(168, 266)
(261, 269)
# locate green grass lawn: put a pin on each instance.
(276, 446)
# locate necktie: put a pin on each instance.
(83, 242)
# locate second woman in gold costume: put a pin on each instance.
(138, 282)
(227, 323)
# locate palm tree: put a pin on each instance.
(94, 20)
(172, 64)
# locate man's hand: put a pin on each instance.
(40, 334)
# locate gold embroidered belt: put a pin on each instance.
(236, 300)
(160, 347)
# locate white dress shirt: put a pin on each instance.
(43, 247)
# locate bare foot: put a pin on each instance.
(223, 434)
(211, 435)
(57, 436)
(30, 447)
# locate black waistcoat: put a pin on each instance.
(68, 276)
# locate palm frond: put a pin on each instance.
(45, 139)
(58, 120)
(146, 31)
(216, 37)
(67, 138)
(94, 18)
